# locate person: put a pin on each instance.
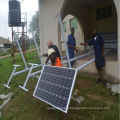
(71, 42)
(50, 45)
(55, 61)
(98, 44)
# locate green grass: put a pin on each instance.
(23, 106)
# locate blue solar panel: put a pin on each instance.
(55, 86)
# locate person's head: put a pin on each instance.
(51, 54)
(72, 31)
(94, 31)
(49, 44)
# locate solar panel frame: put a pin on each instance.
(70, 93)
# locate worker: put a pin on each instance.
(50, 45)
(71, 42)
(55, 61)
(98, 44)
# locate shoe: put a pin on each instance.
(104, 85)
(99, 80)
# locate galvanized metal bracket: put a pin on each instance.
(11, 76)
(23, 87)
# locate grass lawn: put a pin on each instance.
(23, 106)
(9, 51)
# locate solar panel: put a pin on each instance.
(55, 86)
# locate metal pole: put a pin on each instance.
(35, 73)
(30, 45)
(64, 40)
(76, 58)
(20, 50)
(27, 77)
(36, 46)
(91, 61)
(17, 73)
(64, 61)
(11, 76)
(13, 46)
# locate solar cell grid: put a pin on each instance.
(55, 86)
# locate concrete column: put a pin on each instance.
(49, 27)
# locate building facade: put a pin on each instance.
(4, 44)
(103, 14)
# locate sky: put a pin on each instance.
(27, 6)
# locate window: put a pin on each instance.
(64, 26)
(109, 11)
(104, 12)
(98, 14)
(74, 23)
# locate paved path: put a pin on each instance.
(16, 54)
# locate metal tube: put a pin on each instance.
(36, 46)
(91, 61)
(26, 80)
(10, 78)
(60, 21)
(28, 76)
(70, 59)
(13, 46)
(35, 73)
(76, 58)
(20, 50)
(17, 73)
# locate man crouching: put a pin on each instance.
(55, 61)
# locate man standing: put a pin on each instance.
(71, 45)
(98, 44)
(50, 45)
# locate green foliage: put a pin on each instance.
(35, 26)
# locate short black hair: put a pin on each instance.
(95, 28)
(72, 28)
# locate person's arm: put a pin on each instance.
(83, 43)
(102, 51)
(102, 44)
(47, 60)
(89, 43)
(45, 55)
(42, 55)
(74, 48)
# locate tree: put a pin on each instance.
(35, 26)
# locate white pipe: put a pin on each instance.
(20, 49)
(60, 21)
(19, 72)
(91, 61)
(76, 58)
(11, 76)
(32, 74)
(35, 73)
(36, 45)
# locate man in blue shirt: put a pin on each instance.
(98, 44)
(71, 45)
(50, 45)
